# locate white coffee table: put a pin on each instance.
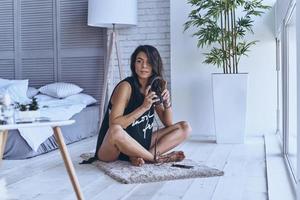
(60, 140)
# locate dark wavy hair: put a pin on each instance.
(153, 58)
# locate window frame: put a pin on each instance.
(285, 67)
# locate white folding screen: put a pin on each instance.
(7, 62)
(47, 41)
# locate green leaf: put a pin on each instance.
(214, 57)
(245, 23)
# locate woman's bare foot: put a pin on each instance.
(137, 161)
(174, 156)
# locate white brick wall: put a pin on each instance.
(153, 28)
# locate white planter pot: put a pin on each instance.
(31, 115)
(230, 104)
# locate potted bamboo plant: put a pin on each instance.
(221, 26)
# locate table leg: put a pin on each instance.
(3, 138)
(68, 163)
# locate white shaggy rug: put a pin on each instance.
(124, 172)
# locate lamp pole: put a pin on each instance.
(111, 14)
(113, 43)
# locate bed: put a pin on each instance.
(86, 125)
(56, 101)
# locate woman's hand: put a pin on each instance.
(163, 111)
(150, 98)
(166, 98)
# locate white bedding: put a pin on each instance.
(58, 109)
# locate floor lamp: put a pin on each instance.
(112, 14)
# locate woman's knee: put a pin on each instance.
(116, 133)
(186, 128)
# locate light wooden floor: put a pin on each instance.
(45, 178)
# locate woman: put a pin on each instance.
(126, 131)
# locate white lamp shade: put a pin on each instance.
(105, 13)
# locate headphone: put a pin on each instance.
(158, 84)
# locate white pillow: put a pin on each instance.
(17, 90)
(82, 98)
(43, 97)
(4, 82)
(60, 90)
(31, 92)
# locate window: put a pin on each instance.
(290, 91)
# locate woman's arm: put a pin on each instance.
(119, 102)
(164, 111)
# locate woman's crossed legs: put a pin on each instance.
(117, 140)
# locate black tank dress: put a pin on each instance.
(140, 130)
